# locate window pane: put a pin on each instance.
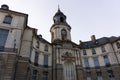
(7, 19)
(3, 37)
(89, 76)
(96, 62)
(46, 48)
(45, 60)
(99, 76)
(45, 75)
(93, 51)
(106, 60)
(36, 58)
(103, 49)
(86, 62)
(84, 52)
(35, 74)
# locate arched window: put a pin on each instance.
(64, 34)
(7, 19)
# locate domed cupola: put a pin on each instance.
(60, 30)
(59, 17)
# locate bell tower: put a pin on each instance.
(60, 30)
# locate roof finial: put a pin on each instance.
(58, 8)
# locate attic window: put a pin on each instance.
(96, 42)
(7, 19)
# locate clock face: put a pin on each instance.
(63, 32)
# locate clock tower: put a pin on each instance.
(60, 30)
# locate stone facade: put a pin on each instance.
(24, 55)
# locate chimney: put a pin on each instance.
(93, 39)
(5, 7)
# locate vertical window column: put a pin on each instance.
(86, 62)
(36, 58)
(89, 76)
(45, 75)
(35, 75)
(106, 60)
(45, 61)
(99, 76)
(3, 38)
(96, 62)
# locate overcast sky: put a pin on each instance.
(86, 17)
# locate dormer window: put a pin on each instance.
(7, 19)
(118, 45)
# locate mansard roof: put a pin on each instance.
(98, 42)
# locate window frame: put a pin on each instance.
(36, 59)
(86, 63)
(35, 75)
(96, 62)
(93, 51)
(46, 48)
(3, 38)
(46, 59)
(8, 19)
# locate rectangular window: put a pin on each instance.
(7, 19)
(84, 52)
(96, 62)
(3, 38)
(106, 60)
(35, 75)
(86, 62)
(45, 60)
(89, 76)
(103, 49)
(36, 58)
(99, 76)
(45, 75)
(93, 51)
(46, 48)
(111, 75)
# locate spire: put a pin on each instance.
(59, 8)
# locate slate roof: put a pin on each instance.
(98, 42)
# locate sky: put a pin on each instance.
(86, 17)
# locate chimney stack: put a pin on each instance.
(93, 39)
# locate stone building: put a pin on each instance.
(24, 55)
